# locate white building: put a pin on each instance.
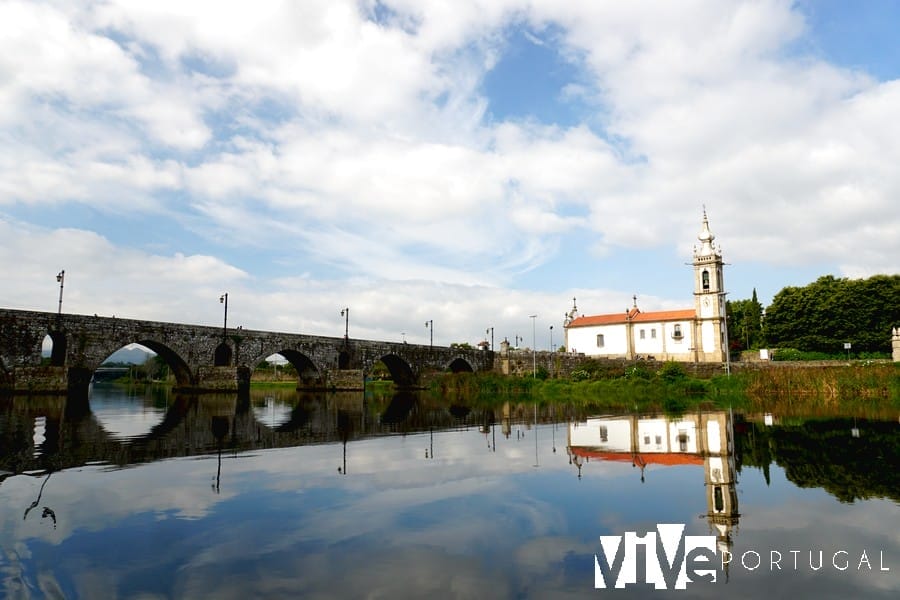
(693, 334)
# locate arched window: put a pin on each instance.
(222, 357)
(705, 280)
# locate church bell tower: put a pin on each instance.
(709, 298)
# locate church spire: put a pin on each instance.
(706, 238)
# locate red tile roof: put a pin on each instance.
(635, 316)
(642, 458)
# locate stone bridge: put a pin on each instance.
(204, 358)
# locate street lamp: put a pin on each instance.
(61, 278)
(551, 338)
(346, 314)
(223, 299)
(429, 325)
(491, 331)
(533, 343)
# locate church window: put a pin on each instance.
(599, 340)
(642, 334)
(653, 333)
(705, 280)
(646, 440)
(604, 434)
(676, 333)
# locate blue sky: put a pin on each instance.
(471, 163)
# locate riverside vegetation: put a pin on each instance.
(859, 388)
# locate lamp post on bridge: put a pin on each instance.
(491, 331)
(346, 314)
(550, 365)
(223, 299)
(61, 279)
(429, 325)
(533, 347)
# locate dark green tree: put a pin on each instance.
(825, 314)
(745, 323)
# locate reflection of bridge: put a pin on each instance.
(70, 434)
(205, 358)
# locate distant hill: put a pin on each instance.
(132, 356)
(126, 356)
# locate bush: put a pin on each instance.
(672, 372)
(580, 375)
(637, 372)
(787, 354)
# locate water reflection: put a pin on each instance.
(347, 495)
(127, 413)
(703, 439)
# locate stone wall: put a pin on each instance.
(563, 364)
(346, 379)
(37, 379)
(523, 362)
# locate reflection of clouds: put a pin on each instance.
(273, 413)
(540, 560)
(470, 522)
(782, 517)
(128, 419)
(412, 572)
(130, 424)
(94, 497)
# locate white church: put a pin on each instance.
(695, 334)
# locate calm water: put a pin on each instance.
(341, 496)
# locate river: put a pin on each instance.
(142, 493)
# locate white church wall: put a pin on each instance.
(584, 340)
(709, 336)
(648, 339)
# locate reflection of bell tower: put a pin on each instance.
(709, 298)
(717, 446)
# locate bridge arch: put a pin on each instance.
(401, 371)
(460, 364)
(57, 347)
(309, 374)
(222, 355)
(183, 375)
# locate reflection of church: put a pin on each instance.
(705, 439)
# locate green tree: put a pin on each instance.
(745, 323)
(825, 314)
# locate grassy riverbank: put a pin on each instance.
(868, 388)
